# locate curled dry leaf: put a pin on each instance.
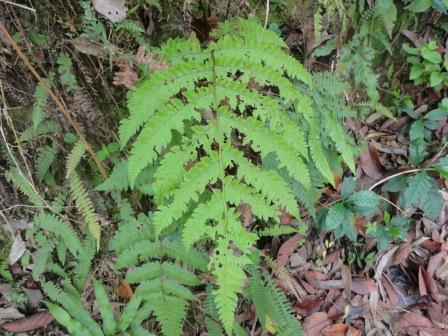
(370, 162)
(114, 10)
(315, 323)
(36, 321)
(17, 249)
(286, 250)
(126, 76)
(338, 329)
(123, 290)
(385, 261)
(151, 60)
(401, 254)
(413, 324)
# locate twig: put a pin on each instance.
(19, 5)
(398, 174)
(56, 100)
(267, 14)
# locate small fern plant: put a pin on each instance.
(206, 122)
(161, 269)
(69, 312)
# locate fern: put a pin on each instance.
(65, 71)
(44, 161)
(40, 102)
(74, 158)
(16, 177)
(161, 283)
(70, 313)
(45, 127)
(85, 207)
(206, 97)
(272, 307)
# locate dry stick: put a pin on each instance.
(398, 174)
(56, 100)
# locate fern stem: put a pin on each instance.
(221, 165)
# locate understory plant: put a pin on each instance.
(206, 123)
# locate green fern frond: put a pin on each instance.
(59, 228)
(104, 307)
(277, 230)
(74, 157)
(73, 326)
(16, 177)
(84, 261)
(85, 206)
(40, 96)
(242, 93)
(272, 306)
(117, 179)
(44, 161)
(318, 154)
(45, 127)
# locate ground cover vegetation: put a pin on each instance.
(223, 168)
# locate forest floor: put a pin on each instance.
(391, 278)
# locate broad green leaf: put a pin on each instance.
(418, 6)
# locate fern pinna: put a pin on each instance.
(161, 280)
(207, 120)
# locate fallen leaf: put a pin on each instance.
(384, 262)
(85, 46)
(123, 290)
(352, 331)
(421, 283)
(39, 320)
(332, 257)
(285, 218)
(401, 254)
(363, 286)
(338, 329)
(144, 57)
(434, 262)
(337, 309)
(10, 313)
(114, 10)
(442, 271)
(308, 305)
(390, 291)
(315, 323)
(34, 296)
(347, 281)
(17, 249)
(412, 324)
(287, 249)
(369, 162)
(126, 76)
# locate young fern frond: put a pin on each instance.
(85, 206)
(59, 228)
(161, 283)
(16, 177)
(74, 157)
(40, 102)
(44, 161)
(208, 100)
(272, 307)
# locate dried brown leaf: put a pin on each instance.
(315, 323)
(287, 249)
(39, 320)
(370, 162)
(338, 329)
(85, 46)
(126, 76)
(123, 290)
